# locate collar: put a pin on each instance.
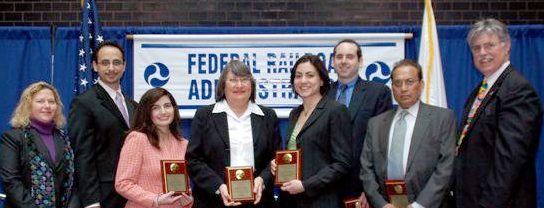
(111, 92)
(349, 84)
(412, 110)
(493, 77)
(223, 106)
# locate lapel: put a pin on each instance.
(256, 131)
(40, 146)
(292, 122)
(423, 122)
(331, 94)
(59, 149)
(488, 97)
(318, 111)
(384, 133)
(222, 127)
(357, 98)
(109, 104)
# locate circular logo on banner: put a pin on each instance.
(378, 72)
(156, 74)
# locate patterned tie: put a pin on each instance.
(477, 102)
(119, 102)
(395, 169)
(342, 97)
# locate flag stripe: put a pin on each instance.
(428, 13)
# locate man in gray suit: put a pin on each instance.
(414, 142)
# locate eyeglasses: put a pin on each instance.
(485, 46)
(243, 80)
(115, 63)
(166, 106)
(408, 82)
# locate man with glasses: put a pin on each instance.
(498, 137)
(413, 144)
(97, 123)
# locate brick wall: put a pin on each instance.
(268, 12)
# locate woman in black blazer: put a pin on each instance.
(232, 132)
(37, 166)
(321, 129)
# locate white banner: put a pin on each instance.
(189, 66)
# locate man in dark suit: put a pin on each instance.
(364, 99)
(495, 163)
(414, 142)
(98, 121)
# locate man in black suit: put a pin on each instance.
(500, 126)
(364, 99)
(98, 121)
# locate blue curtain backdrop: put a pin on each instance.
(26, 58)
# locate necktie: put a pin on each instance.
(479, 98)
(342, 97)
(395, 168)
(119, 102)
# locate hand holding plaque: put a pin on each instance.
(396, 190)
(174, 176)
(240, 183)
(288, 166)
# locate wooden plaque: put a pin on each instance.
(288, 166)
(174, 177)
(396, 191)
(240, 183)
(352, 203)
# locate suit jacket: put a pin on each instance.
(208, 154)
(495, 166)
(97, 128)
(15, 167)
(324, 142)
(430, 158)
(367, 100)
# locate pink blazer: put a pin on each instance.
(138, 177)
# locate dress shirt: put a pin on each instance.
(493, 77)
(113, 93)
(349, 90)
(410, 123)
(240, 133)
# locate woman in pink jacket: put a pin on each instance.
(155, 136)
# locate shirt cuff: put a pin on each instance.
(416, 205)
(97, 204)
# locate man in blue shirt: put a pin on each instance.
(364, 99)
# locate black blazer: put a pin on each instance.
(326, 154)
(208, 154)
(97, 129)
(495, 166)
(367, 100)
(15, 167)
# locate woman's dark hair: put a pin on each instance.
(142, 117)
(321, 70)
(237, 68)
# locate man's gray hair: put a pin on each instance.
(488, 25)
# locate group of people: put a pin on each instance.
(351, 137)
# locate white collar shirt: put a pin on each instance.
(240, 133)
(113, 93)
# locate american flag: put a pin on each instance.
(90, 36)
